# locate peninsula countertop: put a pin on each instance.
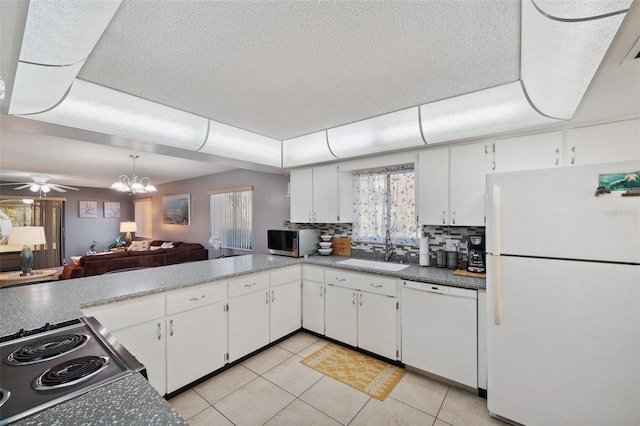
(32, 306)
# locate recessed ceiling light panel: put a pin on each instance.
(100, 109)
(231, 142)
(559, 59)
(64, 32)
(389, 132)
(307, 149)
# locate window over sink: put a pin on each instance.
(385, 199)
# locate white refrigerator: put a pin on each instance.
(563, 296)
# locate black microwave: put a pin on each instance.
(293, 242)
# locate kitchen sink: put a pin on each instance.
(372, 264)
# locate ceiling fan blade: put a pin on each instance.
(56, 188)
(16, 183)
(24, 186)
(51, 185)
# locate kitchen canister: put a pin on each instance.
(452, 260)
(441, 259)
(424, 251)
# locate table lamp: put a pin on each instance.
(26, 236)
(128, 227)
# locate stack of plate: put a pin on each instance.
(325, 245)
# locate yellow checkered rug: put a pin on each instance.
(369, 375)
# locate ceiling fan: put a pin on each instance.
(40, 184)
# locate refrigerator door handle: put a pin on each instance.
(495, 220)
(497, 291)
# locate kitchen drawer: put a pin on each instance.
(248, 284)
(285, 275)
(313, 273)
(364, 282)
(194, 297)
(129, 313)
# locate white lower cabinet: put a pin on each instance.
(341, 315)
(313, 295)
(147, 342)
(377, 324)
(248, 323)
(286, 309)
(196, 344)
(362, 311)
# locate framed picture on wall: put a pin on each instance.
(88, 208)
(176, 209)
(111, 209)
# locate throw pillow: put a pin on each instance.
(139, 245)
(167, 244)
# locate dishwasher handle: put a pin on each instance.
(441, 289)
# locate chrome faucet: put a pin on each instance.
(388, 247)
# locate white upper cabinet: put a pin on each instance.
(433, 186)
(604, 143)
(451, 185)
(321, 195)
(301, 191)
(539, 151)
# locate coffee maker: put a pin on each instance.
(476, 262)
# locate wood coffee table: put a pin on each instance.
(11, 278)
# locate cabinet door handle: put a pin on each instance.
(250, 285)
(493, 165)
(444, 213)
(453, 217)
(195, 299)
(321, 291)
(573, 155)
(340, 279)
(159, 331)
(360, 299)
(375, 285)
(310, 217)
(171, 328)
(273, 295)
(266, 300)
(353, 298)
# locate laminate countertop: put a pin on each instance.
(131, 400)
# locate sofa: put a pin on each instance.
(155, 253)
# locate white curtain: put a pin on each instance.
(232, 218)
(385, 199)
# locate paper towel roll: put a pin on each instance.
(424, 251)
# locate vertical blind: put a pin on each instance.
(48, 214)
(232, 217)
(142, 208)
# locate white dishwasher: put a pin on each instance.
(439, 330)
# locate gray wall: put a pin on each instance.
(80, 232)
(270, 207)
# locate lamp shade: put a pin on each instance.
(27, 236)
(128, 227)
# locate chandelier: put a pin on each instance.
(135, 185)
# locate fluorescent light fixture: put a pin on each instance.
(498, 109)
(307, 149)
(93, 107)
(389, 132)
(571, 9)
(64, 32)
(560, 58)
(37, 88)
(232, 142)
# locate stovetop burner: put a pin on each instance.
(47, 348)
(71, 372)
(46, 366)
(4, 396)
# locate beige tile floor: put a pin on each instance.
(273, 388)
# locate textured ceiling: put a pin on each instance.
(285, 69)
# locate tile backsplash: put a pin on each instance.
(457, 236)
